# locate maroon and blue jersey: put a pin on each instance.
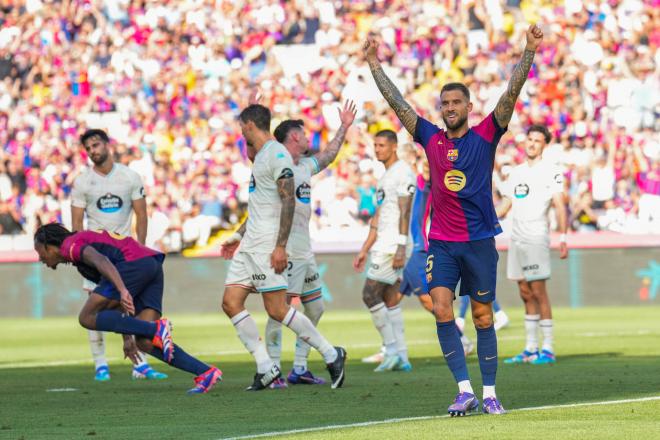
(461, 180)
(118, 249)
(421, 207)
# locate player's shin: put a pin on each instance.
(396, 319)
(248, 333)
(182, 360)
(313, 310)
(303, 327)
(452, 349)
(114, 321)
(97, 347)
(382, 323)
(274, 340)
(487, 353)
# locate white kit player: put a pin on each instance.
(108, 193)
(386, 246)
(303, 276)
(529, 191)
(261, 262)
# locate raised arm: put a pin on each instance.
(506, 104)
(326, 156)
(403, 110)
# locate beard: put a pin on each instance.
(100, 159)
(459, 122)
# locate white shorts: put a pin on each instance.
(304, 277)
(88, 285)
(380, 268)
(253, 271)
(529, 262)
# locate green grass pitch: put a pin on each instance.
(604, 355)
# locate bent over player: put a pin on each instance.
(128, 296)
(464, 223)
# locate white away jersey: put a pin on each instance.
(107, 200)
(398, 181)
(264, 204)
(299, 246)
(531, 190)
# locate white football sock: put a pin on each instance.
(274, 340)
(531, 329)
(303, 327)
(548, 337)
(382, 323)
(465, 386)
(396, 318)
(97, 347)
(313, 310)
(142, 360)
(248, 333)
(489, 391)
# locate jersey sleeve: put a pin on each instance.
(424, 131)
(406, 184)
(557, 184)
(78, 193)
(311, 164)
(489, 130)
(73, 246)
(281, 164)
(137, 187)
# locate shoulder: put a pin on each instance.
(309, 163)
(123, 170)
(83, 176)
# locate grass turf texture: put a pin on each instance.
(603, 354)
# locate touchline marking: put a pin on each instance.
(413, 419)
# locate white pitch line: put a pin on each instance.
(412, 419)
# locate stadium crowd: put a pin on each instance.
(167, 78)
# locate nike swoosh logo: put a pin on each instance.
(490, 358)
(449, 354)
(480, 293)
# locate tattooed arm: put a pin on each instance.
(286, 191)
(329, 153)
(405, 204)
(403, 110)
(505, 106)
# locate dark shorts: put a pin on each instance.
(143, 279)
(414, 275)
(474, 263)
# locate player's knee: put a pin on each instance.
(443, 312)
(277, 312)
(229, 307)
(87, 320)
(483, 319)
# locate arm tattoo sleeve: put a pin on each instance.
(241, 230)
(403, 110)
(329, 153)
(286, 190)
(504, 108)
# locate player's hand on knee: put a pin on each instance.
(359, 261)
(278, 259)
(127, 303)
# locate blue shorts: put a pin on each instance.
(414, 275)
(474, 263)
(143, 279)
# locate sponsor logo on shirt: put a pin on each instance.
(312, 278)
(521, 191)
(253, 184)
(452, 154)
(303, 192)
(455, 180)
(258, 277)
(109, 203)
(380, 196)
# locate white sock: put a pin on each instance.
(548, 337)
(382, 323)
(313, 310)
(274, 341)
(97, 346)
(531, 328)
(248, 333)
(142, 360)
(465, 386)
(396, 318)
(303, 327)
(489, 391)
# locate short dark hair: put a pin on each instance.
(258, 114)
(389, 135)
(92, 133)
(540, 129)
(285, 127)
(52, 233)
(456, 86)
